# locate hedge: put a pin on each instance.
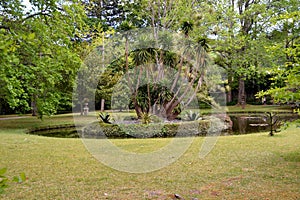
(152, 130)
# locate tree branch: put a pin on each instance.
(36, 14)
(4, 27)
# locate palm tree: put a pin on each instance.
(194, 73)
(187, 27)
(141, 59)
(149, 65)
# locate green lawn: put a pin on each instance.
(252, 166)
(260, 108)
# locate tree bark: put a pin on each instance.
(34, 108)
(170, 114)
(81, 108)
(138, 109)
(241, 94)
(229, 92)
(102, 104)
(229, 95)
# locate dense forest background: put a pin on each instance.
(43, 44)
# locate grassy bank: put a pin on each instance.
(252, 166)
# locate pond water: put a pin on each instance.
(253, 123)
(69, 132)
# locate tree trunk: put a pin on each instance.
(169, 110)
(171, 116)
(138, 110)
(229, 92)
(34, 107)
(102, 104)
(229, 95)
(241, 94)
(81, 109)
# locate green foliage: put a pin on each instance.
(115, 13)
(192, 116)
(42, 47)
(38, 70)
(287, 44)
(151, 93)
(289, 92)
(146, 118)
(273, 122)
(247, 48)
(105, 130)
(19, 179)
(152, 130)
(105, 117)
(4, 180)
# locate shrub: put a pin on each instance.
(146, 118)
(180, 129)
(192, 116)
(102, 130)
(129, 118)
(104, 117)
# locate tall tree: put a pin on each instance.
(114, 13)
(39, 68)
(286, 52)
(240, 35)
(164, 15)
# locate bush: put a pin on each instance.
(102, 130)
(192, 116)
(129, 118)
(231, 103)
(146, 118)
(204, 105)
(104, 117)
(152, 130)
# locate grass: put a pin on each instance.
(260, 108)
(252, 166)
(249, 108)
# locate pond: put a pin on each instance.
(68, 131)
(244, 123)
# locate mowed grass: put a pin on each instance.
(260, 108)
(252, 166)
